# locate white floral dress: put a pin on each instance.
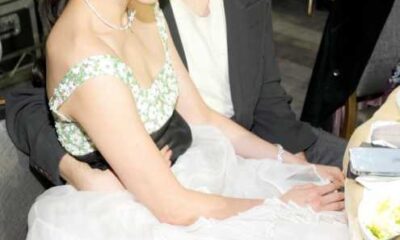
(155, 104)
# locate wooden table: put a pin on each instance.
(354, 191)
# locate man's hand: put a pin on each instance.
(320, 198)
(333, 174)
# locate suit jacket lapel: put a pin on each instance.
(233, 40)
(244, 20)
(169, 16)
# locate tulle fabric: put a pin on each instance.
(210, 166)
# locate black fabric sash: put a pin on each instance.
(175, 133)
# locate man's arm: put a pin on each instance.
(274, 119)
(30, 127)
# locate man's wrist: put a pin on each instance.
(301, 155)
(293, 158)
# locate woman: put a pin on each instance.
(108, 94)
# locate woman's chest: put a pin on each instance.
(143, 51)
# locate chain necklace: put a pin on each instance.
(131, 17)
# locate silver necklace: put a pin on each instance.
(131, 17)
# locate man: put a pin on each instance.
(228, 49)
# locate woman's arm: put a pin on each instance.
(83, 177)
(105, 108)
(248, 144)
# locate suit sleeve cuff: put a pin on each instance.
(46, 156)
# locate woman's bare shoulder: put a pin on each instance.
(66, 48)
(69, 48)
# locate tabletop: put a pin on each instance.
(389, 111)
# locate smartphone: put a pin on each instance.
(375, 161)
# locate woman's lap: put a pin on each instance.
(211, 166)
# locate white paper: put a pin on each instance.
(380, 142)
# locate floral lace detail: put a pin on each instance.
(273, 213)
(155, 104)
(280, 212)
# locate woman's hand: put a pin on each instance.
(320, 198)
(333, 174)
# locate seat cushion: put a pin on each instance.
(18, 189)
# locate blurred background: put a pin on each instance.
(297, 37)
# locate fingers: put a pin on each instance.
(164, 150)
(339, 185)
(168, 155)
(336, 173)
(333, 174)
(335, 206)
(332, 198)
(304, 186)
(322, 190)
(339, 175)
(327, 199)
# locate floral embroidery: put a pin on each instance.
(155, 105)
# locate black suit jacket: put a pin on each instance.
(260, 103)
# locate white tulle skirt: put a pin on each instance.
(210, 166)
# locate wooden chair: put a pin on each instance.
(353, 115)
(350, 112)
(310, 7)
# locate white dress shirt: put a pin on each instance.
(205, 44)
